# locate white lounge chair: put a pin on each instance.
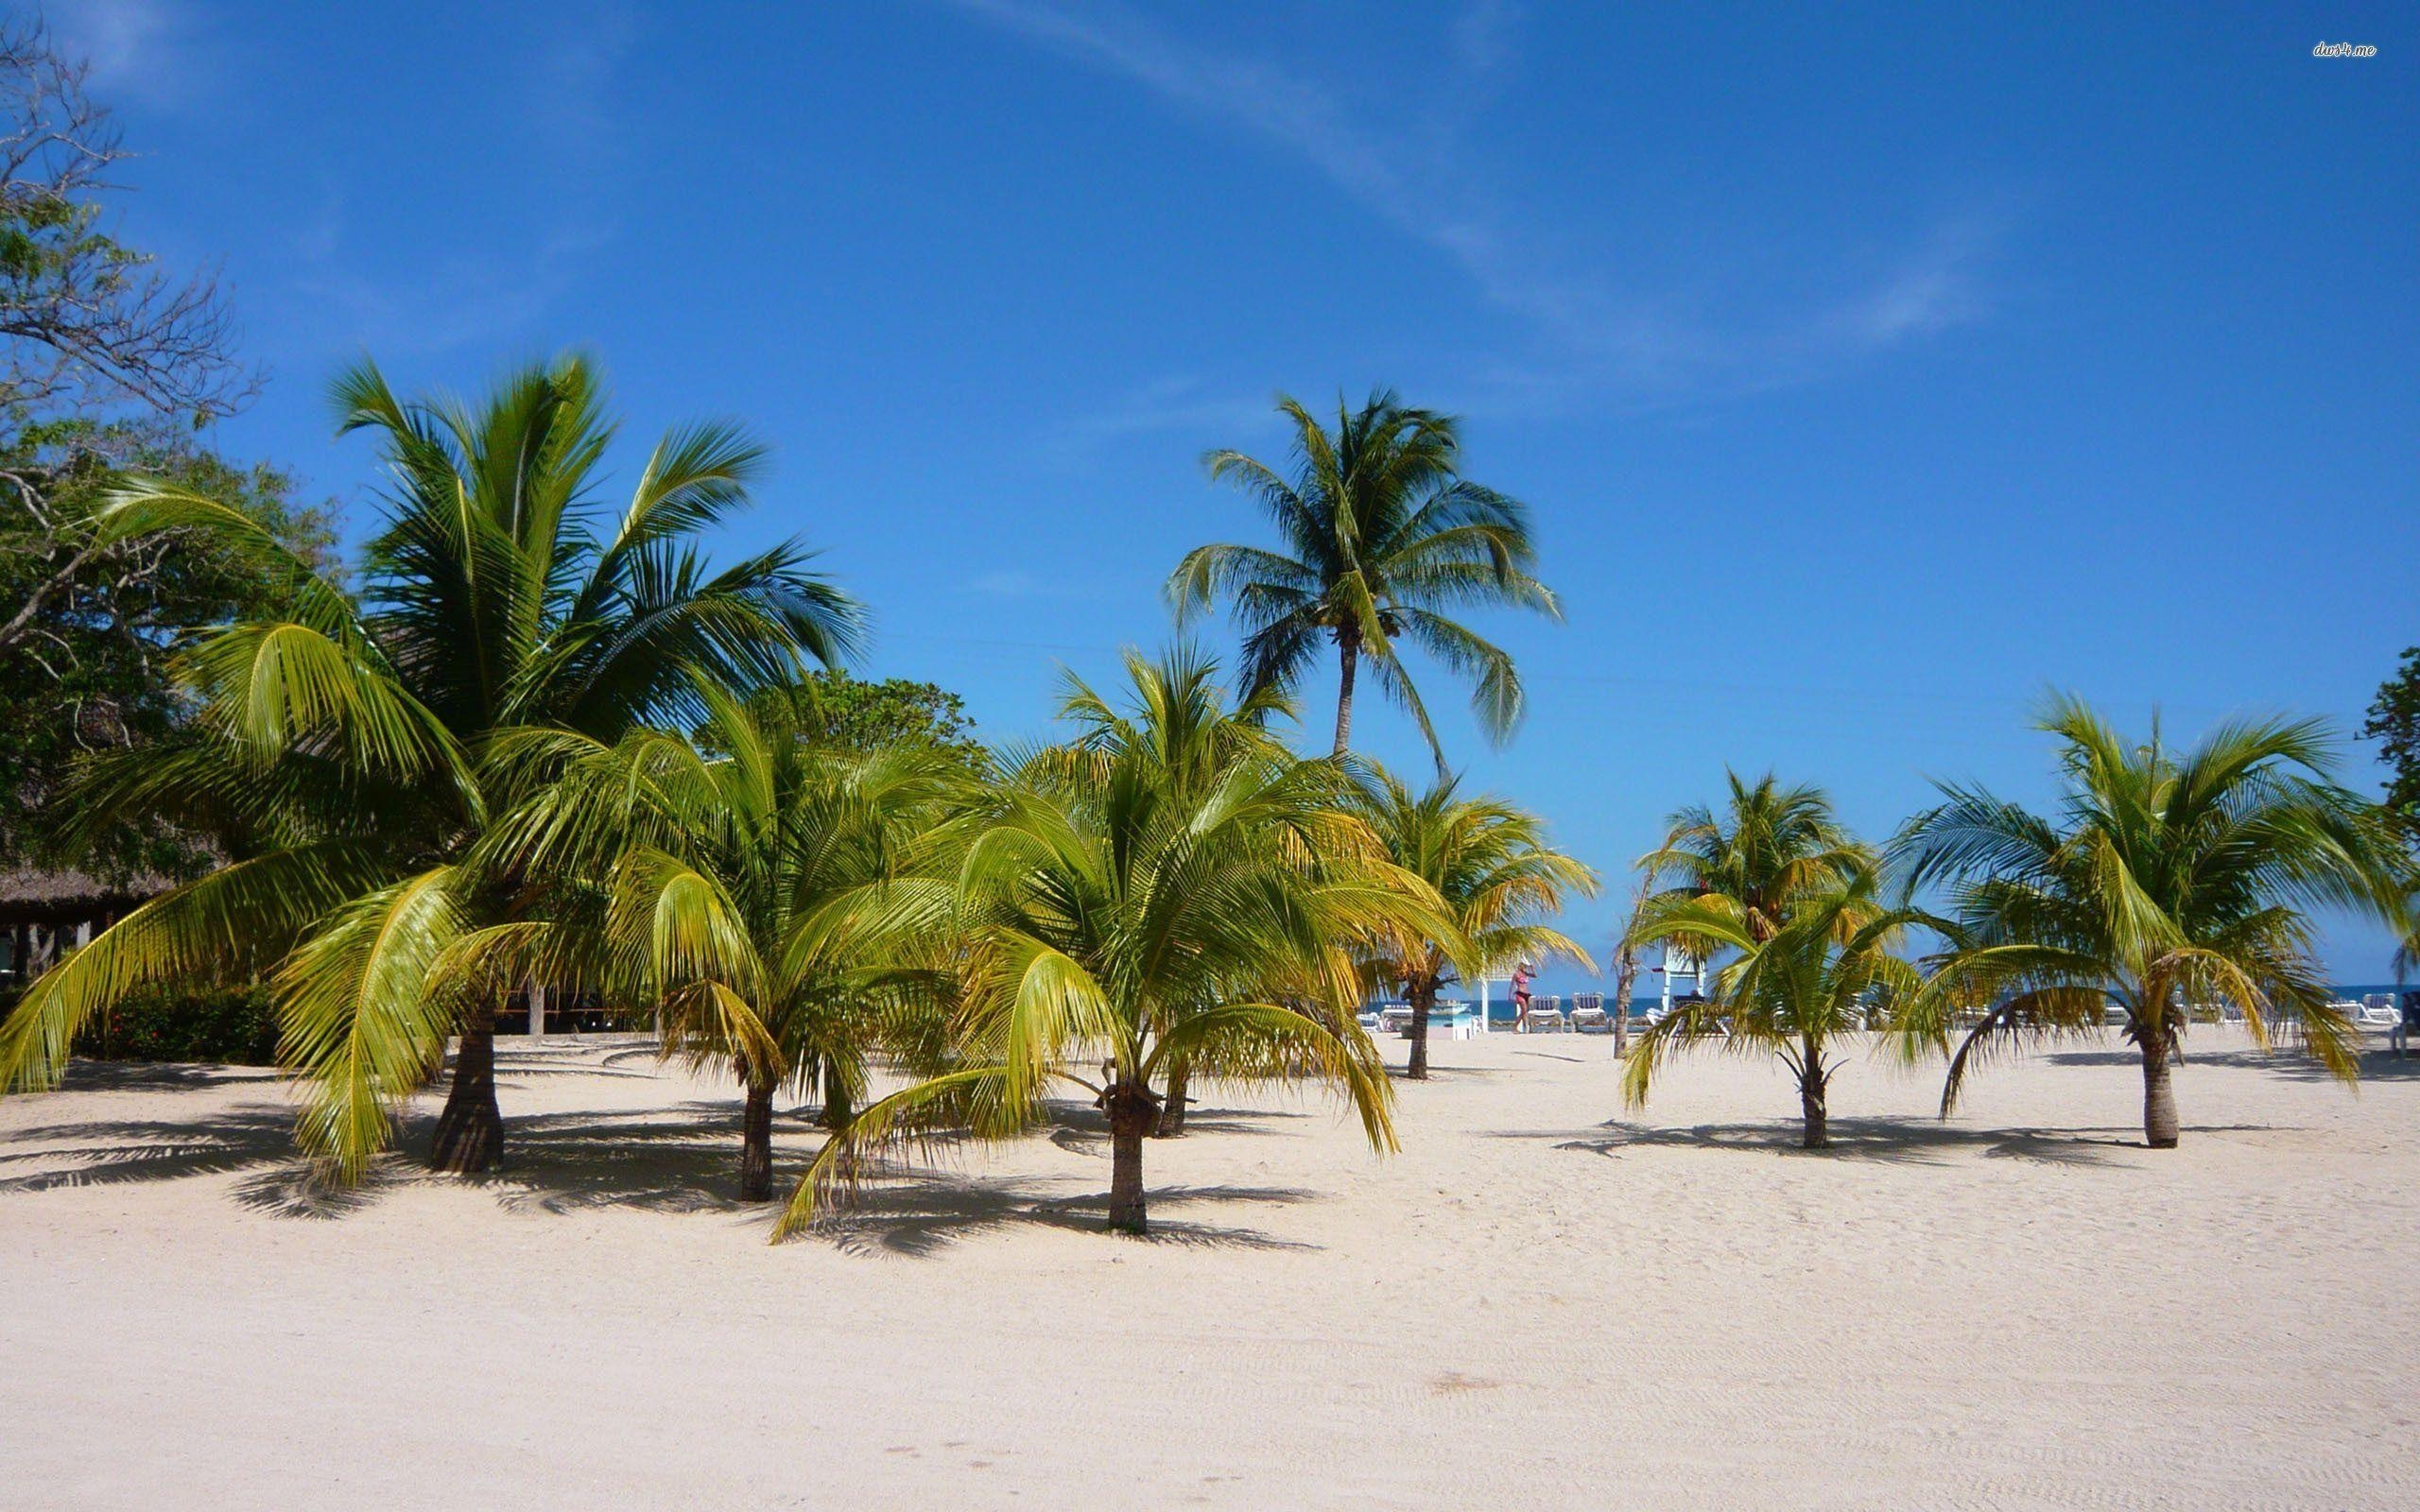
(1394, 1018)
(1541, 1019)
(2376, 1011)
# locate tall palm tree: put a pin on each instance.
(1790, 990)
(738, 895)
(1380, 535)
(345, 748)
(2165, 878)
(1499, 878)
(1118, 908)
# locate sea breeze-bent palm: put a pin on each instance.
(1172, 890)
(2164, 878)
(347, 750)
(1381, 534)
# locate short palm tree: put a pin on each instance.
(1749, 860)
(345, 749)
(2166, 879)
(1790, 990)
(1498, 876)
(1380, 536)
(739, 895)
(1119, 909)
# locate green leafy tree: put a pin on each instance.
(2163, 878)
(1380, 539)
(2395, 724)
(1499, 878)
(737, 896)
(352, 741)
(1173, 890)
(87, 648)
(1790, 992)
(108, 362)
(832, 707)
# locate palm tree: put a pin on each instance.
(2166, 878)
(1121, 906)
(346, 749)
(1499, 878)
(1380, 535)
(1790, 990)
(740, 894)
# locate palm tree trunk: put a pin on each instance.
(836, 1111)
(1424, 996)
(1171, 1125)
(1626, 971)
(1349, 657)
(1132, 1111)
(1818, 1132)
(756, 1141)
(2159, 1092)
(470, 1132)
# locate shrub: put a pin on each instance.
(233, 1025)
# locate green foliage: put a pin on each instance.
(234, 1026)
(88, 666)
(831, 708)
(1380, 535)
(2395, 724)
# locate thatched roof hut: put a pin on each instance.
(54, 898)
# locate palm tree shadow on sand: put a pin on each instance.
(2377, 1064)
(680, 1160)
(1889, 1140)
(919, 1212)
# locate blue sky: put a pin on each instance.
(1867, 375)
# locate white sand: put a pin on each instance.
(1530, 1307)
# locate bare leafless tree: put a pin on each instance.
(105, 356)
(86, 322)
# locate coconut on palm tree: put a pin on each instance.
(1381, 539)
(345, 750)
(2165, 878)
(737, 896)
(1498, 878)
(1791, 991)
(1145, 900)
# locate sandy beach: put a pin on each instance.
(1541, 1302)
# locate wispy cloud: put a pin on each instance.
(151, 51)
(1182, 406)
(1483, 35)
(578, 71)
(498, 287)
(1597, 332)
(1937, 289)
